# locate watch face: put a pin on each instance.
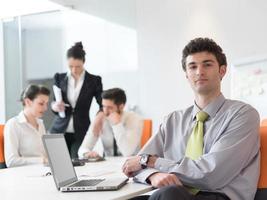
(144, 159)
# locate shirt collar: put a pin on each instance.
(22, 118)
(212, 108)
(80, 78)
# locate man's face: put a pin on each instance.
(204, 73)
(109, 107)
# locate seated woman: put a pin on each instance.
(23, 133)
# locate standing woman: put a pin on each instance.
(23, 133)
(78, 88)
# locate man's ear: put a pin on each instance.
(121, 107)
(222, 71)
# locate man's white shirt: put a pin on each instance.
(127, 134)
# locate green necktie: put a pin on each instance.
(194, 148)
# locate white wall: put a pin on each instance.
(164, 28)
(117, 11)
(2, 80)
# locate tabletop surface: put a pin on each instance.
(30, 182)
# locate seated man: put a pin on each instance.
(121, 130)
(208, 151)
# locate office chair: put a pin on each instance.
(2, 158)
(262, 184)
(147, 131)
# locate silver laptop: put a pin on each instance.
(63, 171)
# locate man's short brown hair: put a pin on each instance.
(116, 95)
(198, 45)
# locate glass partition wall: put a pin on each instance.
(32, 54)
(13, 65)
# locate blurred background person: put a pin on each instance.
(121, 130)
(78, 88)
(23, 133)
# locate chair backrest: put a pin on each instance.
(263, 174)
(2, 158)
(262, 184)
(147, 131)
(264, 122)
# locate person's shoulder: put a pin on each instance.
(177, 117)
(132, 115)
(179, 114)
(60, 75)
(92, 76)
(13, 120)
(236, 106)
(12, 123)
(238, 110)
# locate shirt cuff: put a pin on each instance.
(34, 160)
(82, 151)
(142, 175)
(164, 165)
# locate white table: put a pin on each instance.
(29, 183)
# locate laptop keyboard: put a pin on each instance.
(91, 182)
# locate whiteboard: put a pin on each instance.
(249, 83)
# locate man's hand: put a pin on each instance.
(91, 154)
(159, 180)
(114, 118)
(98, 124)
(131, 165)
(45, 160)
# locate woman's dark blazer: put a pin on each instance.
(92, 87)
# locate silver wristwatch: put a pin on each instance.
(144, 160)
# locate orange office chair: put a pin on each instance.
(264, 122)
(262, 184)
(2, 158)
(147, 131)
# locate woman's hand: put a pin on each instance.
(58, 106)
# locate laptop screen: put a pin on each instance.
(59, 159)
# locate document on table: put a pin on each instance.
(58, 97)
